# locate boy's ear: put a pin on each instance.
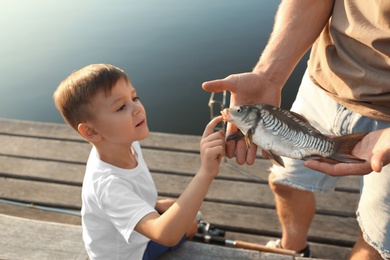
(87, 131)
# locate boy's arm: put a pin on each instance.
(163, 204)
(169, 228)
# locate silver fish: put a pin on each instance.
(279, 132)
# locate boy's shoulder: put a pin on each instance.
(100, 168)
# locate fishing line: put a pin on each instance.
(31, 205)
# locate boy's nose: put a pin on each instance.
(137, 108)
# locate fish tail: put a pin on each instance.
(344, 146)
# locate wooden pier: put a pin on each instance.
(42, 167)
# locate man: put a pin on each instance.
(344, 90)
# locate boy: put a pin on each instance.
(120, 211)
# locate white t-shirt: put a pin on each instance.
(113, 202)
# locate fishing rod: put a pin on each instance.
(34, 206)
(216, 105)
(211, 235)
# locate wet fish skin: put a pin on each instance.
(279, 132)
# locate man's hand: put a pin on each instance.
(374, 148)
(245, 88)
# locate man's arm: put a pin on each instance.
(298, 24)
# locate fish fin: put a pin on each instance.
(321, 159)
(237, 136)
(275, 159)
(301, 117)
(344, 146)
(305, 121)
(248, 138)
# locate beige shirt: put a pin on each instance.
(351, 58)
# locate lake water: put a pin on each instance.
(168, 48)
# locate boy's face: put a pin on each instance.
(119, 117)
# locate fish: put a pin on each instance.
(284, 133)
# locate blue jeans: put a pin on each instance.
(329, 117)
(154, 250)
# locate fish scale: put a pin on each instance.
(280, 132)
(279, 128)
(298, 138)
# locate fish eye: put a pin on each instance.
(239, 110)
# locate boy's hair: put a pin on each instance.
(75, 93)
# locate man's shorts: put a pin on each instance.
(329, 117)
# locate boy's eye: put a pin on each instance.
(135, 99)
(121, 108)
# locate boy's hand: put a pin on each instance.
(212, 148)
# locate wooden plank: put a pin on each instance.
(254, 194)
(318, 250)
(59, 241)
(31, 239)
(49, 171)
(192, 250)
(37, 129)
(263, 221)
(234, 217)
(44, 149)
(229, 191)
(157, 140)
(325, 251)
(188, 163)
(37, 159)
(65, 151)
(32, 212)
(41, 193)
(64, 132)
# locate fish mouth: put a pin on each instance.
(225, 115)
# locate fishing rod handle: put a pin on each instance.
(262, 248)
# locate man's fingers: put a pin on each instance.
(241, 152)
(319, 166)
(339, 169)
(251, 154)
(379, 160)
(230, 148)
(217, 85)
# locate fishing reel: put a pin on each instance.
(205, 228)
